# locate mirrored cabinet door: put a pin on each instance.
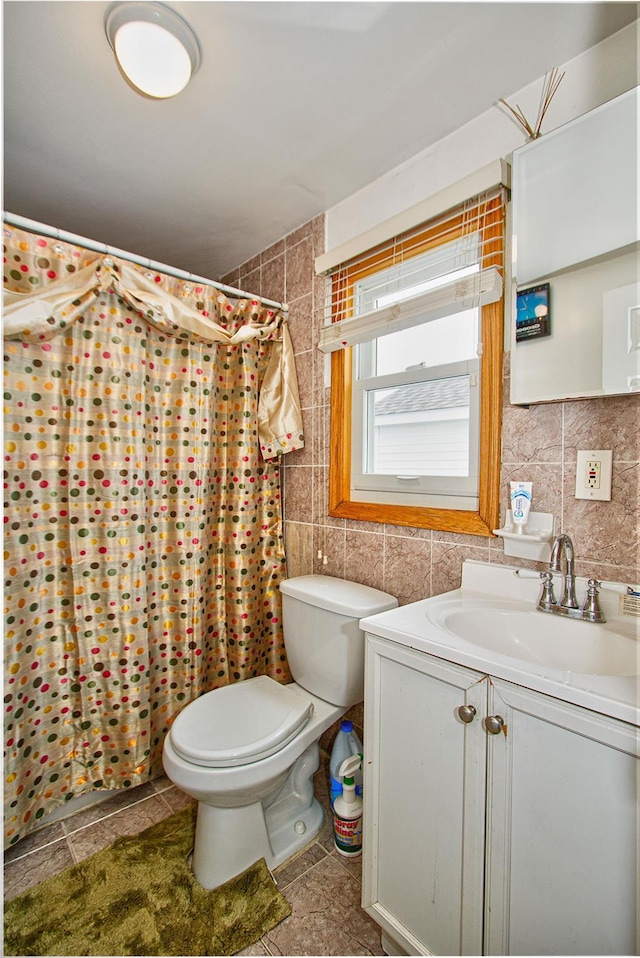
(575, 259)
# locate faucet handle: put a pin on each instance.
(547, 598)
(591, 609)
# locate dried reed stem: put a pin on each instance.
(552, 82)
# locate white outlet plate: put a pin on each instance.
(593, 474)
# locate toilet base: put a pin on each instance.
(229, 840)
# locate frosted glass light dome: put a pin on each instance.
(156, 49)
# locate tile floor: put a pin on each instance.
(322, 887)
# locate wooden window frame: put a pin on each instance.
(470, 522)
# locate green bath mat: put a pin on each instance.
(139, 897)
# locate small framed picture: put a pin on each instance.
(533, 317)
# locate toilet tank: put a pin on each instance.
(325, 645)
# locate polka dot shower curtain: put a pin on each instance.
(144, 422)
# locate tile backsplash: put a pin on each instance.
(539, 443)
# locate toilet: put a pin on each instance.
(248, 752)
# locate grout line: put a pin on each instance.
(172, 810)
(265, 946)
(165, 788)
(82, 828)
(39, 848)
(307, 870)
(338, 858)
(73, 853)
(311, 866)
(125, 808)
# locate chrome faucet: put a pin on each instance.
(568, 604)
(563, 544)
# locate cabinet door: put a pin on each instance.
(575, 191)
(424, 791)
(561, 836)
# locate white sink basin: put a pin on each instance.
(491, 624)
(528, 635)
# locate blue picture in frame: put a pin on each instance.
(533, 317)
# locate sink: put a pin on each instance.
(491, 624)
(521, 632)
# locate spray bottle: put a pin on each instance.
(347, 810)
(346, 743)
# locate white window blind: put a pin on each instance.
(436, 270)
(494, 174)
(479, 290)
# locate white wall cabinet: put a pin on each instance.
(575, 191)
(515, 842)
(576, 226)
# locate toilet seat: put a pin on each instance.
(240, 724)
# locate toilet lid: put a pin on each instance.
(240, 723)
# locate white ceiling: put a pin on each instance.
(296, 106)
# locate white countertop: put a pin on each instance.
(413, 626)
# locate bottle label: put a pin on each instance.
(348, 835)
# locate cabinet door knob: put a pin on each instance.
(493, 724)
(467, 713)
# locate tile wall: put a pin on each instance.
(539, 443)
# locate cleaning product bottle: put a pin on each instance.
(346, 743)
(347, 811)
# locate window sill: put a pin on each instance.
(442, 520)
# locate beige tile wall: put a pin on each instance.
(538, 443)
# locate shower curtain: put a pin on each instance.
(145, 418)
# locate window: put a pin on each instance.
(416, 341)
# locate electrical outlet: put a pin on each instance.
(593, 474)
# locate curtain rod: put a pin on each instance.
(22, 222)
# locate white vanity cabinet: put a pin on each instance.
(510, 833)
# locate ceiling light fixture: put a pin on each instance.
(156, 50)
